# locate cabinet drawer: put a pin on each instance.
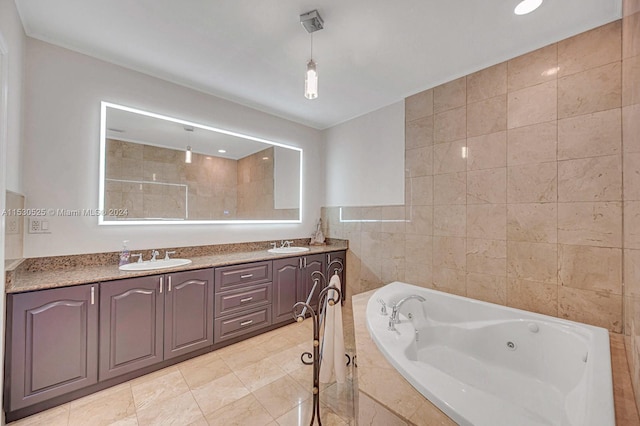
(241, 323)
(229, 277)
(242, 298)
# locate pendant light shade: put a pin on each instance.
(311, 81)
(312, 22)
(187, 155)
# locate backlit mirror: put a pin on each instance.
(147, 177)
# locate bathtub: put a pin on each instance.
(486, 364)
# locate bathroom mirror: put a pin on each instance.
(156, 169)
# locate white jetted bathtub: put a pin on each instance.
(486, 364)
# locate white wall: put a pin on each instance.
(61, 122)
(15, 39)
(365, 159)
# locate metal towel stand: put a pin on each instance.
(316, 316)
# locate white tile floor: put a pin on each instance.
(260, 381)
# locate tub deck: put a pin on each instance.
(385, 397)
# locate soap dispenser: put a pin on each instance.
(124, 254)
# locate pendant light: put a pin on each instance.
(187, 153)
(312, 22)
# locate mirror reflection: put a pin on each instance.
(158, 169)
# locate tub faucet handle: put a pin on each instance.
(383, 308)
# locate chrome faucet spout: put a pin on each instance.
(396, 308)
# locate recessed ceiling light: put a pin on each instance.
(222, 151)
(527, 6)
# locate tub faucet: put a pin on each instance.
(396, 308)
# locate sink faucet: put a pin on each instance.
(396, 309)
(154, 253)
(139, 256)
(285, 243)
(167, 253)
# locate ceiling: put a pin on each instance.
(371, 53)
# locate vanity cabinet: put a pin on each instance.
(131, 324)
(188, 312)
(52, 344)
(292, 283)
(146, 320)
(242, 300)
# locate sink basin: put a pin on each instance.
(288, 250)
(158, 264)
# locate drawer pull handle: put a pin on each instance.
(246, 299)
(242, 277)
(243, 323)
(93, 295)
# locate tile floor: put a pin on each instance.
(260, 381)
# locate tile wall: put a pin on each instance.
(631, 170)
(513, 187)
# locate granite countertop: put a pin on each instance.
(22, 278)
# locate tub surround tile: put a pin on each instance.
(487, 186)
(449, 252)
(599, 308)
(419, 274)
(590, 49)
(489, 288)
(590, 179)
(420, 191)
(487, 116)
(631, 81)
(418, 106)
(450, 220)
(590, 135)
(419, 161)
(487, 256)
(532, 296)
(593, 90)
(532, 261)
(590, 268)
(448, 158)
(590, 224)
(632, 273)
(450, 125)
(532, 222)
(418, 249)
(532, 183)
(532, 105)
(532, 144)
(631, 128)
(487, 83)
(449, 280)
(450, 95)
(450, 188)
(419, 133)
(533, 68)
(419, 221)
(487, 221)
(632, 224)
(632, 176)
(631, 35)
(487, 151)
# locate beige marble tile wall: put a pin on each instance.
(631, 170)
(513, 187)
(14, 227)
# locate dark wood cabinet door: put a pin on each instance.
(131, 324)
(339, 267)
(311, 264)
(188, 312)
(286, 274)
(52, 343)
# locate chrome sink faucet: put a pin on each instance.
(285, 243)
(167, 253)
(396, 309)
(154, 254)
